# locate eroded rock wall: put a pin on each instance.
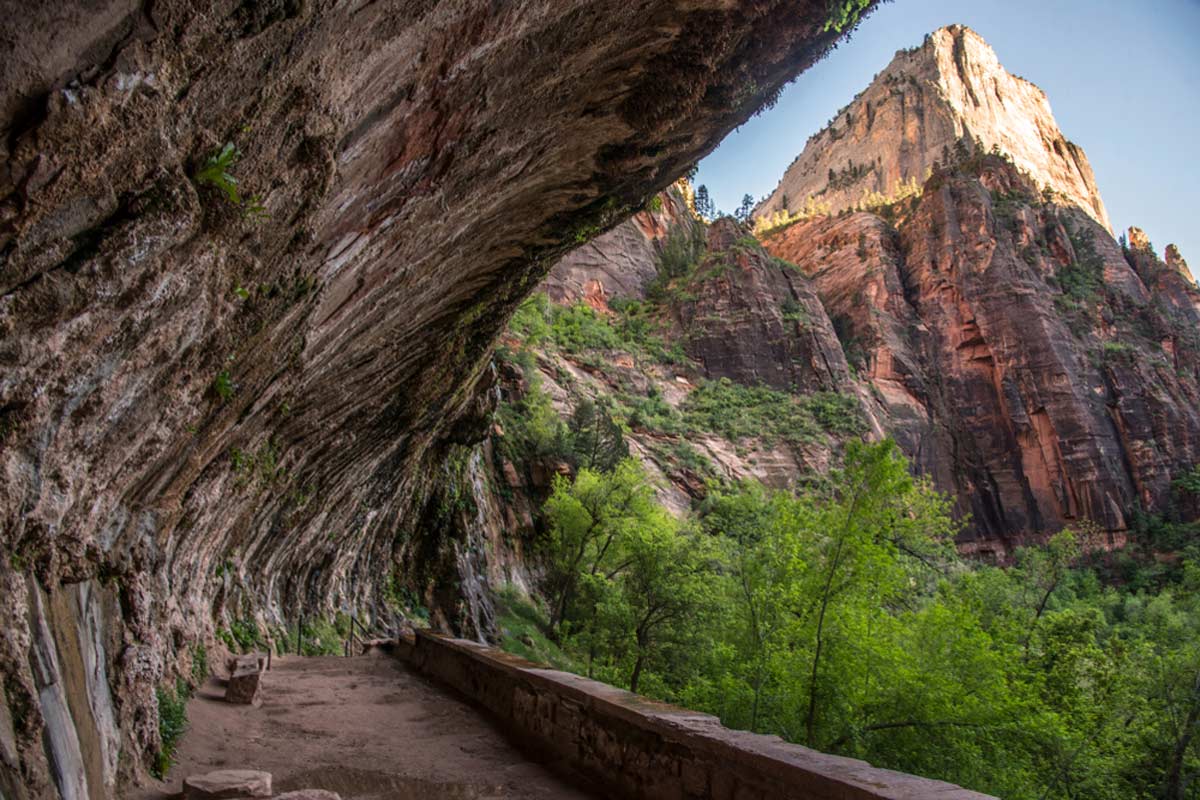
(213, 408)
(950, 87)
(1021, 359)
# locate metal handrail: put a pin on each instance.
(353, 636)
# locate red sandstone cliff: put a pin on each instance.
(1022, 360)
(950, 87)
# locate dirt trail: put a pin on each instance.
(364, 727)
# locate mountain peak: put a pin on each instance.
(950, 87)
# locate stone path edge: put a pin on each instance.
(641, 748)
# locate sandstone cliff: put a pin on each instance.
(1036, 371)
(253, 258)
(949, 88)
(1022, 360)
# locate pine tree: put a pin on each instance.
(745, 209)
(597, 440)
(704, 204)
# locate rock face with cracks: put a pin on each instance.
(253, 256)
(1037, 372)
(951, 87)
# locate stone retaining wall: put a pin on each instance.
(640, 748)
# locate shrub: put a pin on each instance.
(172, 722)
(738, 412)
(199, 664)
(577, 328)
(245, 634)
(1083, 277)
(530, 322)
(681, 252)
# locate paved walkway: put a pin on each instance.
(366, 728)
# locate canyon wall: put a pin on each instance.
(950, 87)
(1022, 361)
(253, 257)
(1039, 372)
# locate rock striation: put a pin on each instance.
(913, 114)
(621, 263)
(1023, 361)
(756, 320)
(253, 259)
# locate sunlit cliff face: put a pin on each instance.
(949, 88)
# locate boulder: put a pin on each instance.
(227, 783)
(245, 680)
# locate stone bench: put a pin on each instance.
(245, 678)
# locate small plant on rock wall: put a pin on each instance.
(215, 172)
(172, 722)
(245, 633)
(199, 664)
(844, 14)
(223, 385)
(1188, 482)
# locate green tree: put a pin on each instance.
(587, 519)
(597, 440)
(704, 204)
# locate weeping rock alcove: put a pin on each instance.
(221, 395)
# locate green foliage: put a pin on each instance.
(403, 600)
(653, 413)
(625, 582)
(199, 664)
(844, 14)
(783, 218)
(681, 254)
(739, 412)
(530, 322)
(262, 464)
(841, 617)
(1082, 279)
(215, 172)
(792, 311)
(579, 327)
(322, 638)
(524, 627)
(532, 428)
(245, 634)
(634, 327)
(848, 175)
(223, 385)
(640, 327)
(172, 723)
(227, 639)
(596, 440)
(1188, 482)
(1117, 351)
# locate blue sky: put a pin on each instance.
(1123, 80)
